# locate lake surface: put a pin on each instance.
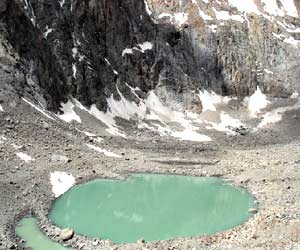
(152, 207)
(28, 230)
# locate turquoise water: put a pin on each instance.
(152, 207)
(29, 231)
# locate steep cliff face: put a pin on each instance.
(256, 42)
(91, 49)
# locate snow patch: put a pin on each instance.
(1, 108)
(89, 134)
(104, 151)
(224, 15)
(269, 71)
(61, 182)
(149, 12)
(256, 102)
(247, 6)
(181, 18)
(142, 47)
(295, 95)
(47, 31)
(24, 157)
(190, 135)
(290, 7)
(210, 100)
(68, 112)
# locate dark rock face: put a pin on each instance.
(253, 48)
(76, 48)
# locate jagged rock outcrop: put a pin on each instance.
(256, 42)
(55, 49)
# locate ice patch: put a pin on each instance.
(24, 157)
(68, 112)
(256, 102)
(61, 182)
(210, 100)
(104, 151)
(38, 109)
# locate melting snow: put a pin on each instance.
(256, 102)
(24, 157)
(38, 109)
(68, 112)
(61, 182)
(210, 100)
(104, 151)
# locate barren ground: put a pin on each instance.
(266, 163)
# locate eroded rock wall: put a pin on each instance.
(90, 49)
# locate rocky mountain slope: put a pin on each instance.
(54, 49)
